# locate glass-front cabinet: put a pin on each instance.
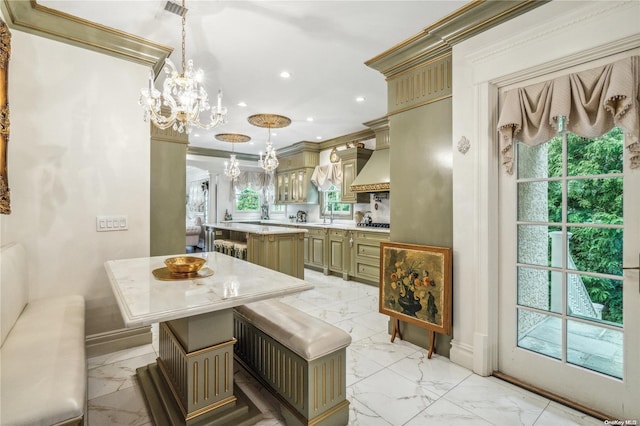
(294, 173)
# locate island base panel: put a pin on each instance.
(164, 409)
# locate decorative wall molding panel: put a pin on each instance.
(427, 83)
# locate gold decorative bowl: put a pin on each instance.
(184, 264)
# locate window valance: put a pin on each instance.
(257, 180)
(592, 102)
(325, 176)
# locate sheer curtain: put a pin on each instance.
(258, 181)
(592, 102)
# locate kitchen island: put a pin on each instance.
(280, 248)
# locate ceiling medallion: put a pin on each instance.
(232, 167)
(271, 121)
(182, 94)
(232, 137)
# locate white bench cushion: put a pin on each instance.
(307, 336)
(43, 364)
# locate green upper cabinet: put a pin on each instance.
(353, 160)
(293, 176)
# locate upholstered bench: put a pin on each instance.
(300, 358)
(240, 250)
(228, 247)
(43, 377)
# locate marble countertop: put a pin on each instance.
(144, 300)
(335, 225)
(256, 229)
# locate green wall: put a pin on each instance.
(421, 199)
(168, 191)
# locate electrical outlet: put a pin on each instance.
(111, 223)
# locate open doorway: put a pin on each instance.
(197, 208)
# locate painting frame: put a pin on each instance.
(5, 54)
(416, 285)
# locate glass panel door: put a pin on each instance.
(564, 314)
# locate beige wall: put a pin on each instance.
(421, 178)
(78, 149)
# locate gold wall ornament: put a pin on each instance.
(5, 54)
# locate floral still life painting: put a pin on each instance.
(415, 285)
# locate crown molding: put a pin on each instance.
(219, 153)
(33, 18)
(359, 136)
(440, 37)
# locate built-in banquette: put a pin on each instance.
(44, 372)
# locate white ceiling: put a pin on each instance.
(244, 45)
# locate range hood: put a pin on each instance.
(374, 176)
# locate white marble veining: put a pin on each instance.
(144, 300)
(257, 229)
(387, 383)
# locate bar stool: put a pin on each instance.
(217, 246)
(227, 247)
(240, 250)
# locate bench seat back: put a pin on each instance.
(14, 291)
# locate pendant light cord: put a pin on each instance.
(184, 22)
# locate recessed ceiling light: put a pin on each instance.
(309, 118)
(318, 137)
(242, 104)
(285, 74)
(197, 135)
(360, 98)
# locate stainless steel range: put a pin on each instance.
(374, 225)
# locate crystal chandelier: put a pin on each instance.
(271, 121)
(183, 95)
(232, 167)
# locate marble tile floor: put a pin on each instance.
(387, 384)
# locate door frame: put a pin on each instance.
(481, 67)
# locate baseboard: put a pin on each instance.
(461, 354)
(117, 340)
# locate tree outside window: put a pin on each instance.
(331, 202)
(247, 200)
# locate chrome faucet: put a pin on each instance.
(331, 217)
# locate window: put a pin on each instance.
(570, 238)
(330, 204)
(247, 200)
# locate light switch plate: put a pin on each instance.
(111, 223)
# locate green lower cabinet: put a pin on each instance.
(339, 252)
(350, 253)
(315, 248)
(366, 255)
